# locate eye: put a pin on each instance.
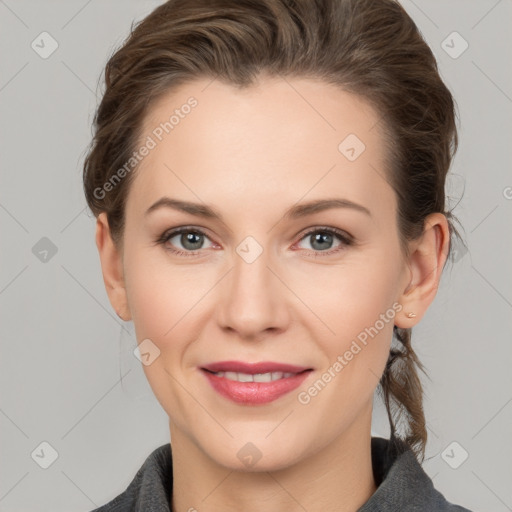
(322, 239)
(190, 239)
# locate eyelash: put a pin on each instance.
(344, 237)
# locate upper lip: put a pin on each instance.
(253, 368)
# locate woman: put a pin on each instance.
(234, 139)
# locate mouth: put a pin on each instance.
(254, 383)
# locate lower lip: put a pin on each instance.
(253, 393)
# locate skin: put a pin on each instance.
(252, 154)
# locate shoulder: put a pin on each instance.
(402, 482)
(150, 488)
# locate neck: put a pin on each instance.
(338, 477)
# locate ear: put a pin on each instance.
(112, 268)
(427, 256)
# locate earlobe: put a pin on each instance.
(112, 268)
(426, 261)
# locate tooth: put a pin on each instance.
(262, 377)
(258, 377)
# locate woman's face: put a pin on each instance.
(255, 284)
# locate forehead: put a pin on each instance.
(282, 137)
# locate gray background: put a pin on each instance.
(67, 373)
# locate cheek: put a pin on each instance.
(354, 310)
(165, 300)
(347, 298)
(164, 305)
(155, 290)
(153, 302)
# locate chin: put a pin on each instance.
(255, 456)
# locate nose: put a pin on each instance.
(253, 301)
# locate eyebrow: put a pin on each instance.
(295, 212)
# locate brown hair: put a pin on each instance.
(371, 48)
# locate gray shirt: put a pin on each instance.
(402, 484)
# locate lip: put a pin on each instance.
(254, 393)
